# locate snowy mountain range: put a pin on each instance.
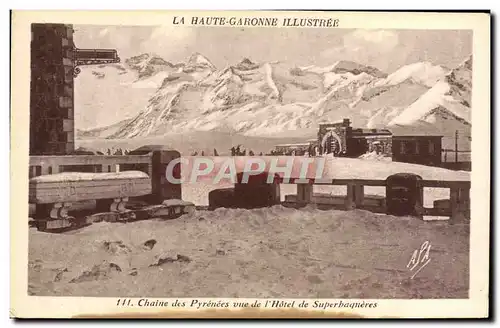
(271, 98)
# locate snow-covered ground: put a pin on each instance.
(271, 252)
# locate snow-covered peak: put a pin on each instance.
(258, 98)
(146, 59)
(346, 66)
(424, 73)
(198, 60)
(139, 58)
(246, 65)
(461, 76)
(449, 98)
(466, 64)
(437, 97)
(227, 74)
(148, 64)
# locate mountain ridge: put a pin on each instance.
(264, 98)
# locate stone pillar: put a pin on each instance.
(459, 204)
(304, 193)
(350, 200)
(359, 195)
(52, 90)
(162, 189)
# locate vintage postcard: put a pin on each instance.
(239, 164)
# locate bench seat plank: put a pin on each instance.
(76, 186)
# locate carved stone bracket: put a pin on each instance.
(76, 71)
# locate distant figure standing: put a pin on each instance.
(202, 153)
(215, 152)
(251, 153)
(238, 151)
(260, 154)
(233, 151)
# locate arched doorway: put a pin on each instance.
(331, 143)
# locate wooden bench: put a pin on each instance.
(52, 195)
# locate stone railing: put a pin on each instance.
(410, 198)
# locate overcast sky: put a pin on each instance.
(385, 49)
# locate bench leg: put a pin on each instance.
(60, 211)
(113, 210)
(119, 205)
(52, 211)
(53, 216)
(112, 205)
